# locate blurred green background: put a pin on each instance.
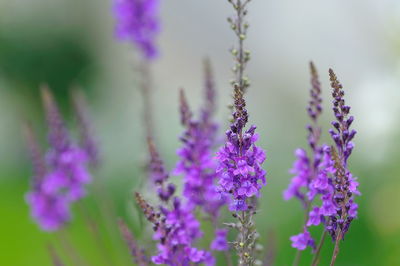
(70, 42)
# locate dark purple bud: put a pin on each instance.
(349, 121)
(336, 125)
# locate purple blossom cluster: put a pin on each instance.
(63, 175)
(176, 228)
(196, 162)
(177, 235)
(324, 174)
(137, 22)
(344, 183)
(240, 160)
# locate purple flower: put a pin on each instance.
(196, 163)
(302, 171)
(51, 211)
(314, 217)
(312, 172)
(176, 228)
(302, 241)
(61, 178)
(66, 162)
(345, 186)
(239, 167)
(220, 243)
(137, 22)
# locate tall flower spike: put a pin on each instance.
(137, 253)
(67, 162)
(239, 160)
(312, 174)
(345, 185)
(307, 168)
(87, 141)
(196, 163)
(50, 210)
(137, 22)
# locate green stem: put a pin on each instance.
(336, 250)
(315, 260)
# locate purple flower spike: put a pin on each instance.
(61, 178)
(346, 186)
(137, 22)
(240, 160)
(312, 170)
(50, 210)
(67, 163)
(196, 163)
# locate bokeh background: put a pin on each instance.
(70, 42)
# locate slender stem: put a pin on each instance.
(228, 258)
(70, 249)
(297, 258)
(146, 90)
(336, 250)
(94, 229)
(315, 260)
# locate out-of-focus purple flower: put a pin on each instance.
(67, 163)
(51, 211)
(220, 242)
(302, 241)
(137, 21)
(60, 177)
(240, 160)
(196, 162)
